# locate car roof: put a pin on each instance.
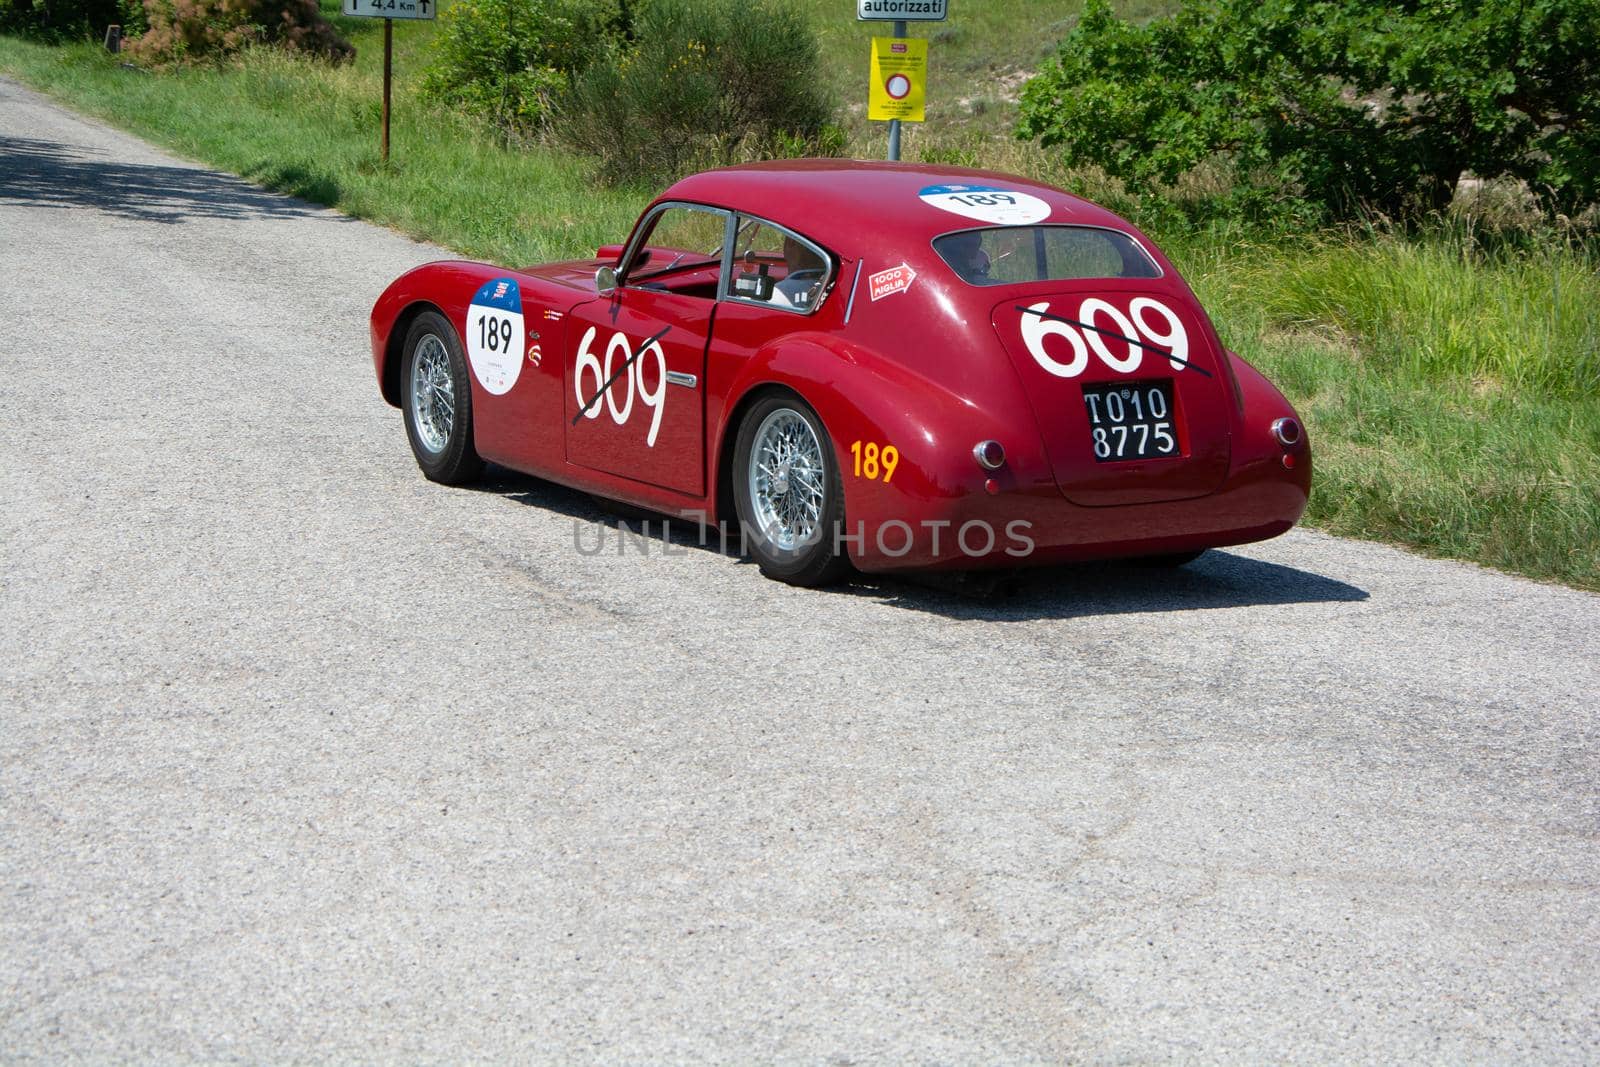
(852, 204)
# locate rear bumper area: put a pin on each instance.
(1037, 527)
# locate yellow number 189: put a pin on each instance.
(873, 460)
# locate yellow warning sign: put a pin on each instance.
(899, 79)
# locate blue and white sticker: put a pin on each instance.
(987, 203)
(495, 335)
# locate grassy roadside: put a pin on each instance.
(1453, 401)
(1453, 398)
(312, 131)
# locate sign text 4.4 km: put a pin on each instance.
(390, 9)
(899, 10)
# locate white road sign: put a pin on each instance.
(898, 10)
(396, 9)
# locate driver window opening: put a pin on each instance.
(777, 268)
(681, 252)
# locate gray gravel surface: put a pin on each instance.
(306, 759)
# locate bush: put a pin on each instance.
(504, 60)
(1341, 105)
(204, 29)
(57, 20)
(700, 84)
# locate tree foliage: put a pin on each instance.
(505, 60)
(164, 31)
(180, 30)
(1339, 104)
(58, 20)
(693, 84)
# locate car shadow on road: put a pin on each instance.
(1218, 579)
(54, 175)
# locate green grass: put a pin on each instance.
(1430, 310)
(1453, 397)
(1453, 400)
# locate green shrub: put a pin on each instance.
(504, 60)
(59, 20)
(1341, 105)
(206, 29)
(699, 84)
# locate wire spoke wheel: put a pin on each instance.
(433, 396)
(788, 480)
(437, 401)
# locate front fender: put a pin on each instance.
(445, 286)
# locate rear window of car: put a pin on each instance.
(1009, 254)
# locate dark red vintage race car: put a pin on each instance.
(876, 364)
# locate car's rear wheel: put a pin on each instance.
(788, 493)
(436, 395)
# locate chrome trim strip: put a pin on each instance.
(854, 282)
(687, 380)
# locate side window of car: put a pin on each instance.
(776, 267)
(681, 252)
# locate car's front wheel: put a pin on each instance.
(788, 493)
(437, 400)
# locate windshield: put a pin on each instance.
(1010, 254)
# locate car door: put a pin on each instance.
(635, 360)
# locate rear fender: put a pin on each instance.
(1255, 447)
(865, 399)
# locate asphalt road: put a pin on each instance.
(306, 759)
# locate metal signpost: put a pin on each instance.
(388, 11)
(899, 64)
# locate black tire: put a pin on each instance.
(818, 558)
(443, 446)
(1171, 559)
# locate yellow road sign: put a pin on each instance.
(899, 79)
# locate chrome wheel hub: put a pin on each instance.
(433, 393)
(787, 479)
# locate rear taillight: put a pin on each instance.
(989, 454)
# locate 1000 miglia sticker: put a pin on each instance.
(987, 203)
(495, 335)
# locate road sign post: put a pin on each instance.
(900, 71)
(388, 78)
(388, 11)
(894, 124)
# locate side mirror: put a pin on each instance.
(605, 279)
